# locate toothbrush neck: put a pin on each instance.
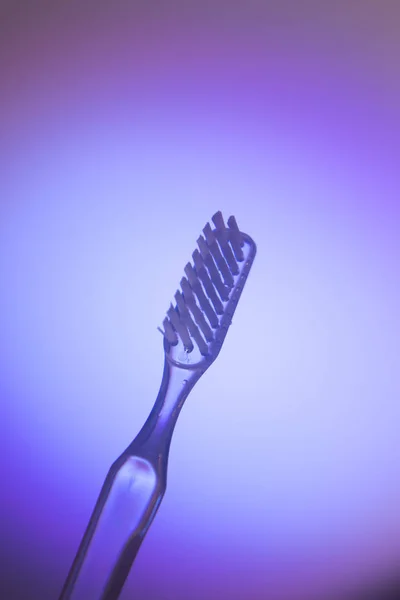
(154, 438)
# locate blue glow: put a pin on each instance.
(285, 458)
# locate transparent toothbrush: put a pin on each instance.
(194, 331)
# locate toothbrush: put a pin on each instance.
(193, 331)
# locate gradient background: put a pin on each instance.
(123, 127)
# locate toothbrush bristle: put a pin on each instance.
(216, 254)
(201, 297)
(206, 289)
(236, 239)
(222, 289)
(207, 283)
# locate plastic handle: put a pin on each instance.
(130, 497)
(127, 504)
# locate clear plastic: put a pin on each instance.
(129, 499)
(136, 482)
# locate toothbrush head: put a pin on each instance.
(195, 328)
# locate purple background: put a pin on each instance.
(123, 127)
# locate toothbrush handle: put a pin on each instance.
(126, 506)
(129, 499)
